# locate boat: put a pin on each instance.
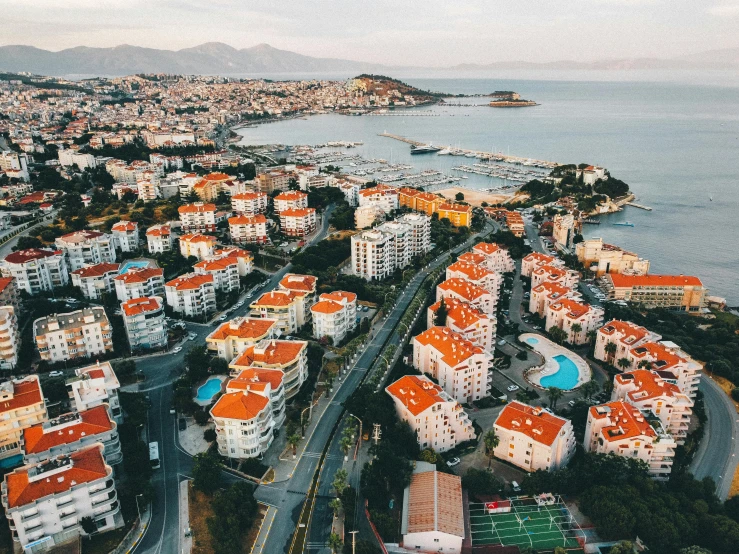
(624, 223)
(424, 149)
(444, 152)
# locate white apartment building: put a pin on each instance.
(535, 260)
(554, 274)
(602, 258)
(621, 429)
(288, 356)
(419, 239)
(298, 222)
(565, 227)
(139, 282)
(126, 235)
(199, 246)
(145, 324)
(533, 438)
(248, 229)
(305, 288)
(198, 217)
(96, 280)
(671, 361)
(625, 336)
(439, 421)
(496, 258)
(248, 414)
(14, 165)
(484, 278)
(148, 191)
(459, 366)
(191, 294)
(48, 500)
(80, 334)
(159, 239)
(381, 196)
(233, 337)
(249, 203)
(290, 200)
(285, 307)
(649, 392)
(71, 432)
(21, 406)
(334, 315)
(464, 290)
(9, 337)
(36, 270)
(351, 192)
(474, 325)
(544, 295)
(225, 272)
(566, 314)
(68, 158)
(373, 255)
(367, 216)
(95, 385)
(86, 248)
(244, 259)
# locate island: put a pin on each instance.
(509, 99)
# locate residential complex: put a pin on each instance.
(290, 200)
(37, 269)
(624, 335)
(464, 290)
(144, 321)
(86, 248)
(459, 215)
(601, 258)
(334, 315)
(298, 222)
(197, 245)
(574, 318)
(233, 337)
(96, 280)
(159, 239)
(380, 196)
(535, 260)
(290, 357)
(565, 227)
(95, 385)
(198, 217)
(285, 307)
(80, 334)
(496, 258)
(544, 295)
(249, 203)
(473, 324)
(225, 272)
(554, 274)
(9, 337)
(139, 282)
(126, 235)
(21, 406)
(191, 295)
(675, 292)
(247, 229)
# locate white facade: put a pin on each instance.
(666, 356)
(95, 280)
(566, 314)
(298, 222)
(546, 294)
(536, 259)
(248, 229)
(474, 325)
(36, 270)
(191, 294)
(87, 248)
(84, 333)
(68, 158)
(93, 386)
(249, 203)
(367, 216)
(625, 336)
(496, 258)
(334, 315)
(288, 356)
(198, 217)
(381, 196)
(126, 235)
(373, 255)
(290, 200)
(9, 337)
(554, 274)
(564, 230)
(139, 282)
(225, 272)
(159, 239)
(145, 323)
(233, 337)
(282, 306)
(199, 246)
(21, 406)
(464, 290)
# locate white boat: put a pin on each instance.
(444, 152)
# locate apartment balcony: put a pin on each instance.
(28, 517)
(106, 487)
(105, 499)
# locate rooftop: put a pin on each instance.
(137, 306)
(97, 270)
(417, 393)
(70, 320)
(244, 328)
(67, 429)
(20, 393)
(453, 347)
(536, 423)
(270, 353)
(624, 281)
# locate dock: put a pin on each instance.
(480, 154)
(635, 205)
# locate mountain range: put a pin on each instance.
(215, 58)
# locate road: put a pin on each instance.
(7, 247)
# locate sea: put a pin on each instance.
(673, 137)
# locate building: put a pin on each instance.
(496, 258)
(9, 292)
(624, 335)
(71, 432)
(80, 334)
(602, 258)
(273, 180)
(145, 324)
(554, 274)
(439, 421)
(298, 222)
(433, 514)
(51, 498)
(675, 292)
(290, 357)
(535, 260)
(478, 275)
(464, 290)
(373, 255)
(198, 217)
(233, 337)
(14, 165)
(191, 295)
(10, 339)
(126, 235)
(243, 258)
(285, 307)
(334, 315)
(420, 201)
(564, 229)
(407, 245)
(95, 385)
(367, 216)
(159, 239)
(515, 224)
(544, 295)
(670, 361)
(248, 414)
(197, 245)
(225, 272)
(248, 229)
(36, 269)
(21, 405)
(96, 280)
(474, 325)
(458, 365)
(139, 282)
(211, 185)
(459, 215)
(249, 203)
(533, 438)
(290, 200)
(68, 158)
(621, 429)
(147, 191)
(591, 174)
(419, 238)
(569, 315)
(380, 196)
(305, 287)
(86, 248)
(649, 392)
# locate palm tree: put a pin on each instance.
(610, 349)
(492, 440)
(335, 505)
(645, 364)
(589, 389)
(624, 363)
(557, 334)
(554, 394)
(591, 335)
(608, 387)
(294, 440)
(441, 314)
(334, 542)
(340, 483)
(346, 444)
(576, 328)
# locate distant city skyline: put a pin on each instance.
(431, 34)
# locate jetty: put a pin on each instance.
(635, 205)
(519, 160)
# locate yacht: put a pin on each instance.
(424, 149)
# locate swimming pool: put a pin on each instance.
(532, 340)
(132, 263)
(208, 390)
(565, 378)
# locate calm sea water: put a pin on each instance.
(675, 143)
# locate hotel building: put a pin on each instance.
(233, 337)
(80, 334)
(601, 258)
(675, 292)
(145, 324)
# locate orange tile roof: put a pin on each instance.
(297, 212)
(648, 385)
(217, 265)
(326, 307)
(190, 281)
(291, 195)
(81, 236)
(379, 189)
(453, 347)
(296, 281)
(97, 270)
(30, 254)
(658, 354)
(473, 272)
(217, 177)
(276, 299)
(197, 237)
(460, 313)
(271, 353)
(125, 226)
(552, 289)
(249, 195)
(196, 208)
(5, 282)
(416, 393)
(464, 288)
(139, 275)
(455, 208)
(26, 392)
(573, 309)
(233, 252)
(535, 423)
(435, 504)
(539, 257)
(158, 231)
(247, 219)
(137, 306)
(624, 281)
(472, 257)
(252, 376)
(486, 248)
(94, 421)
(339, 296)
(630, 332)
(239, 405)
(627, 422)
(87, 466)
(244, 328)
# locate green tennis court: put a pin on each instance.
(527, 524)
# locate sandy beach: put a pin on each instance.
(475, 197)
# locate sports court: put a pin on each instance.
(528, 523)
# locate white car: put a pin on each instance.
(512, 388)
(239, 304)
(501, 342)
(177, 349)
(56, 374)
(224, 317)
(453, 462)
(191, 336)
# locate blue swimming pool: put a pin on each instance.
(532, 340)
(208, 390)
(565, 378)
(132, 263)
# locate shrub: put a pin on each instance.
(210, 435)
(201, 417)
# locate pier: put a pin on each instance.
(480, 154)
(635, 205)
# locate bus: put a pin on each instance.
(154, 455)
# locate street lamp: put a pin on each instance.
(360, 427)
(310, 407)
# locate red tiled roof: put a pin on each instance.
(297, 212)
(627, 421)
(30, 254)
(416, 393)
(253, 376)
(247, 219)
(136, 306)
(26, 392)
(196, 208)
(190, 281)
(298, 282)
(326, 307)
(248, 328)
(536, 423)
(270, 353)
(125, 226)
(453, 347)
(139, 275)
(94, 421)
(624, 281)
(97, 270)
(239, 405)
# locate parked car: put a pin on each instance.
(501, 342)
(571, 403)
(182, 424)
(453, 462)
(56, 373)
(176, 349)
(191, 336)
(224, 317)
(512, 388)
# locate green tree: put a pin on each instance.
(624, 363)
(206, 473)
(589, 389)
(557, 334)
(335, 506)
(293, 439)
(88, 525)
(346, 444)
(554, 395)
(492, 441)
(576, 329)
(459, 197)
(340, 481)
(623, 547)
(441, 314)
(610, 349)
(335, 543)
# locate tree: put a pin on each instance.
(591, 335)
(340, 481)
(335, 506)
(557, 334)
(644, 364)
(589, 389)
(88, 525)
(624, 363)
(346, 444)
(441, 314)
(459, 197)
(492, 441)
(610, 349)
(623, 547)
(335, 543)
(210, 435)
(206, 473)
(576, 328)
(293, 439)
(481, 482)
(554, 394)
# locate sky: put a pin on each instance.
(395, 32)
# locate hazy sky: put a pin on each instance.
(420, 32)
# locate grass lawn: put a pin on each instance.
(725, 317)
(104, 543)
